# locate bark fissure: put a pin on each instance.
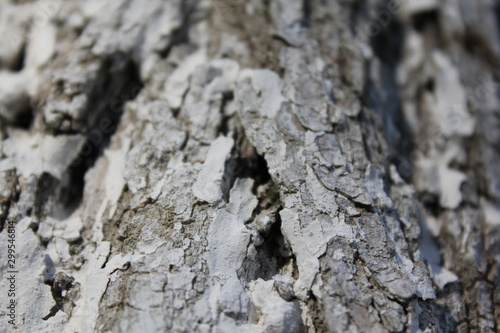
(256, 166)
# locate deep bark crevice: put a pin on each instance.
(270, 257)
(120, 83)
(181, 34)
(387, 46)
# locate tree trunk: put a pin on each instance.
(250, 166)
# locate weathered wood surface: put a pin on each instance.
(251, 166)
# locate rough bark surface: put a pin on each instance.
(251, 166)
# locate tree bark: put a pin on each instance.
(253, 166)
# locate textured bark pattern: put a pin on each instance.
(251, 166)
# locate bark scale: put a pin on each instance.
(260, 166)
